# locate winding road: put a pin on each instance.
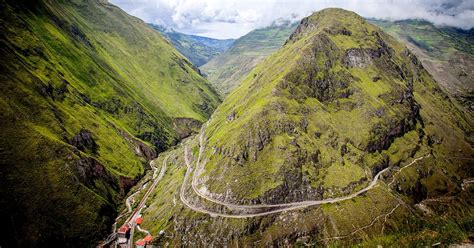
(283, 207)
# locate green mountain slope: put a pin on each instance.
(89, 95)
(226, 71)
(351, 87)
(447, 53)
(198, 49)
(319, 119)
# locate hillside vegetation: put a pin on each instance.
(339, 103)
(89, 95)
(198, 49)
(341, 92)
(226, 71)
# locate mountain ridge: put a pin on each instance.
(198, 49)
(90, 95)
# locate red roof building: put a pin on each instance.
(123, 229)
(148, 239)
(139, 221)
(140, 243)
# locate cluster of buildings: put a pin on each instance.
(123, 235)
(142, 243)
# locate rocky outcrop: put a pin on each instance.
(141, 149)
(305, 26)
(383, 134)
(127, 183)
(356, 57)
(85, 142)
(296, 186)
(361, 57)
(89, 171)
(338, 31)
(315, 80)
(186, 126)
(145, 151)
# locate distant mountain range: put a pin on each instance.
(198, 49)
(227, 70)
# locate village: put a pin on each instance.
(124, 236)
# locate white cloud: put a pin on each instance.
(234, 18)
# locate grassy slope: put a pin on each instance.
(83, 65)
(277, 99)
(439, 48)
(199, 50)
(226, 71)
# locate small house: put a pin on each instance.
(123, 233)
(148, 238)
(140, 243)
(139, 220)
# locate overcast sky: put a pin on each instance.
(234, 18)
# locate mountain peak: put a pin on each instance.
(331, 20)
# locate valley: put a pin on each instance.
(199, 50)
(334, 131)
(381, 203)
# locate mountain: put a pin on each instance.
(89, 95)
(198, 49)
(227, 70)
(339, 138)
(439, 48)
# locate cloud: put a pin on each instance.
(234, 18)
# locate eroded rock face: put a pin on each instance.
(339, 31)
(141, 149)
(295, 187)
(145, 151)
(186, 126)
(127, 183)
(305, 26)
(85, 142)
(356, 57)
(361, 57)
